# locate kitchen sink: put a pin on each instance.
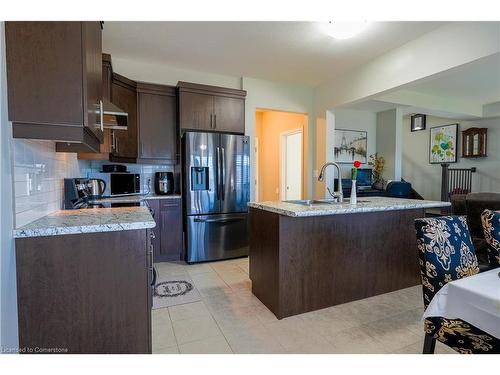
(312, 202)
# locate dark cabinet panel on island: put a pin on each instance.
(157, 123)
(302, 264)
(54, 82)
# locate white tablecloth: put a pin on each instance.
(475, 299)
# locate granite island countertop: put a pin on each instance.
(365, 204)
(90, 220)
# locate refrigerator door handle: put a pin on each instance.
(217, 173)
(223, 179)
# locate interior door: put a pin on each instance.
(200, 173)
(292, 165)
(234, 173)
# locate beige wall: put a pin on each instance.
(269, 125)
(319, 186)
(389, 142)
(426, 178)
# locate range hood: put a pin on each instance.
(114, 117)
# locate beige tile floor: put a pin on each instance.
(230, 319)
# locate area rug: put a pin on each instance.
(173, 291)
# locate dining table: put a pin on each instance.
(474, 299)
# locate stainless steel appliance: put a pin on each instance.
(76, 193)
(96, 187)
(164, 183)
(118, 184)
(216, 190)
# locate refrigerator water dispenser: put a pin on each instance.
(199, 178)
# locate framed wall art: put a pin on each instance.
(350, 145)
(443, 141)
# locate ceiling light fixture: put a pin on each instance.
(345, 30)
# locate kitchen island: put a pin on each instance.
(306, 256)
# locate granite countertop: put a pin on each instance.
(88, 221)
(365, 204)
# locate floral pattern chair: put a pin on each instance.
(491, 228)
(446, 253)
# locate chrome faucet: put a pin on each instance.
(336, 194)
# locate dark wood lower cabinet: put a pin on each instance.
(167, 244)
(85, 293)
(310, 263)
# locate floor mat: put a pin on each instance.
(175, 290)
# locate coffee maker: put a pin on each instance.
(76, 193)
(164, 183)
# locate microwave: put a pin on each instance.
(119, 183)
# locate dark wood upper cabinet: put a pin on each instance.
(229, 114)
(106, 146)
(107, 76)
(196, 111)
(124, 95)
(211, 108)
(157, 123)
(54, 82)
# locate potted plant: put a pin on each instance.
(377, 163)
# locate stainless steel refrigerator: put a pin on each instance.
(216, 190)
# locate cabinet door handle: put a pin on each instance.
(153, 282)
(215, 121)
(211, 122)
(101, 114)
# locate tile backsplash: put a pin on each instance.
(146, 171)
(38, 178)
(39, 172)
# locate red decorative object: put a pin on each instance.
(357, 164)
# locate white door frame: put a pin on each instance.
(283, 136)
(257, 170)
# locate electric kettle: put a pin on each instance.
(96, 187)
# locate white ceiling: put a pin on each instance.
(477, 82)
(281, 51)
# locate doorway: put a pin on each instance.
(280, 149)
(291, 165)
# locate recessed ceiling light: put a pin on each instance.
(345, 30)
